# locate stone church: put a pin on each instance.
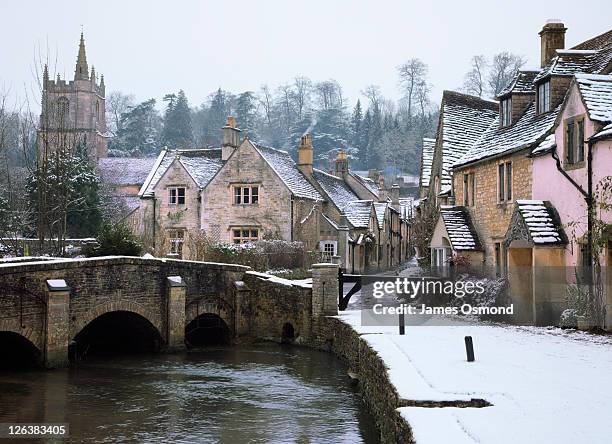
(73, 115)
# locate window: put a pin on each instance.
(176, 196)
(506, 112)
(244, 235)
(246, 195)
(574, 140)
(468, 189)
(501, 260)
(543, 97)
(63, 108)
(504, 181)
(328, 248)
(472, 188)
(177, 238)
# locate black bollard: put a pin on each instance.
(469, 348)
(402, 327)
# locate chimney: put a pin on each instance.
(394, 194)
(552, 37)
(382, 191)
(341, 163)
(305, 155)
(231, 138)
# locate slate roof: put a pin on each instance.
(596, 42)
(605, 133)
(358, 213)
(464, 119)
(596, 91)
(366, 182)
(545, 146)
(461, 232)
(379, 210)
(201, 164)
(427, 160)
(521, 83)
(284, 166)
(571, 61)
(125, 170)
(335, 188)
(526, 132)
(542, 222)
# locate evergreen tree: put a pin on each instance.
(139, 133)
(329, 133)
(375, 139)
(366, 129)
(178, 132)
(246, 113)
(356, 119)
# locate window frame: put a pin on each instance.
(506, 111)
(573, 141)
(543, 97)
(177, 240)
(175, 198)
(243, 194)
(505, 181)
(243, 238)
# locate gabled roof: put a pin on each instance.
(201, 164)
(528, 131)
(545, 146)
(358, 213)
(541, 222)
(379, 210)
(464, 118)
(286, 169)
(596, 92)
(336, 189)
(125, 170)
(427, 160)
(461, 232)
(571, 61)
(521, 83)
(596, 42)
(366, 182)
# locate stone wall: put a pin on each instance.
(489, 216)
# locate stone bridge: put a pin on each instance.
(51, 303)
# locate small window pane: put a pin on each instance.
(181, 196)
(255, 194)
(254, 233)
(501, 182)
(580, 141)
(236, 233)
(509, 180)
(237, 195)
(172, 195)
(466, 189)
(246, 197)
(570, 141)
(245, 233)
(472, 187)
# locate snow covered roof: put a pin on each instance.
(407, 207)
(201, 164)
(358, 213)
(596, 91)
(427, 160)
(527, 131)
(546, 146)
(125, 170)
(521, 83)
(541, 221)
(569, 62)
(284, 166)
(379, 210)
(458, 224)
(464, 118)
(366, 182)
(596, 42)
(336, 189)
(605, 133)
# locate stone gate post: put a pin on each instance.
(324, 290)
(57, 332)
(175, 334)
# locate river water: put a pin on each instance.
(242, 394)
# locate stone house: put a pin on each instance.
(244, 191)
(508, 181)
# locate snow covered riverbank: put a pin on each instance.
(545, 385)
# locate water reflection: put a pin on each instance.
(230, 395)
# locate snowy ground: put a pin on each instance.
(546, 385)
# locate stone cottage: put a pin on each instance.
(244, 191)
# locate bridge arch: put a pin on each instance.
(13, 326)
(18, 350)
(87, 318)
(207, 329)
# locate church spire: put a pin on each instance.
(45, 76)
(81, 72)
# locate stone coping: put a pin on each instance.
(65, 263)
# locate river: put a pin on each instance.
(242, 394)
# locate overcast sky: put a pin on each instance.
(154, 47)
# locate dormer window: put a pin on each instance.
(543, 97)
(506, 112)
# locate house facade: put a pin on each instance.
(244, 191)
(515, 192)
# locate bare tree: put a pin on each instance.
(374, 95)
(475, 83)
(411, 74)
(267, 103)
(302, 87)
(117, 104)
(329, 94)
(503, 67)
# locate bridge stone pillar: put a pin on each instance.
(57, 333)
(242, 308)
(324, 290)
(175, 335)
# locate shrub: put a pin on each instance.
(114, 240)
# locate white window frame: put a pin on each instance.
(506, 111)
(245, 194)
(174, 195)
(326, 245)
(177, 239)
(245, 234)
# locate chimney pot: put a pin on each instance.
(231, 138)
(305, 154)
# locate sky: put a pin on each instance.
(150, 48)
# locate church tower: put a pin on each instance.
(73, 113)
